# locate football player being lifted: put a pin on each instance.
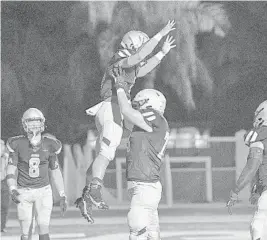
(135, 48)
(256, 167)
(145, 152)
(31, 155)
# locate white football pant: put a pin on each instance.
(143, 219)
(259, 221)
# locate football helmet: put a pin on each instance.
(150, 98)
(260, 116)
(133, 40)
(33, 122)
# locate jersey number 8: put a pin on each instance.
(34, 167)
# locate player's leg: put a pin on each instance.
(25, 214)
(138, 216)
(260, 218)
(109, 122)
(151, 198)
(43, 207)
(5, 199)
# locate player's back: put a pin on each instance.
(107, 84)
(146, 150)
(260, 135)
(32, 163)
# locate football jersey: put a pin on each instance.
(260, 135)
(33, 163)
(146, 149)
(107, 85)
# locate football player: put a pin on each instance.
(255, 169)
(5, 198)
(145, 152)
(135, 47)
(31, 155)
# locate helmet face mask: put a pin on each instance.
(33, 123)
(260, 116)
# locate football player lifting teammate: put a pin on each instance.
(135, 47)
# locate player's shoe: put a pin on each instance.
(94, 194)
(85, 206)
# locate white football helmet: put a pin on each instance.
(133, 40)
(33, 122)
(150, 98)
(260, 116)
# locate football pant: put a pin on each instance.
(143, 219)
(36, 203)
(259, 221)
(109, 123)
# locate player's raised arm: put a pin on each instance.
(131, 45)
(156, 59)
(130, 114)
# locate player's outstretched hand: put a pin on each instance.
(15, 196)
(119, 77)
(63, 204)
(231, 202)
(85, 209)
(168, 28)
(168, 44)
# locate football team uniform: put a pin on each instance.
(143, 164)
(109, 120)
(260, 216)
(33, 183)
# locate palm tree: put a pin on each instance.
(183, 69)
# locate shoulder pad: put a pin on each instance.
(256, 135)
(12, 142)
(55, 144)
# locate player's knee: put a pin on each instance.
(43, 228)
(137, 221)
(108, 152)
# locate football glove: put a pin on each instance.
(15, 196)
(63, 205)
(85, 209)
(233, 198)
(119, 78)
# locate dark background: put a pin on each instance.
(54, 55)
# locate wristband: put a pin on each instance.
(62, 193)
(158, 37)
(160, 55)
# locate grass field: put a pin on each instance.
(183, 222)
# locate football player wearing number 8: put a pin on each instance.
(32, 155)
(147, 145)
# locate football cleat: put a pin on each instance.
(94, 194)
(85, 209)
